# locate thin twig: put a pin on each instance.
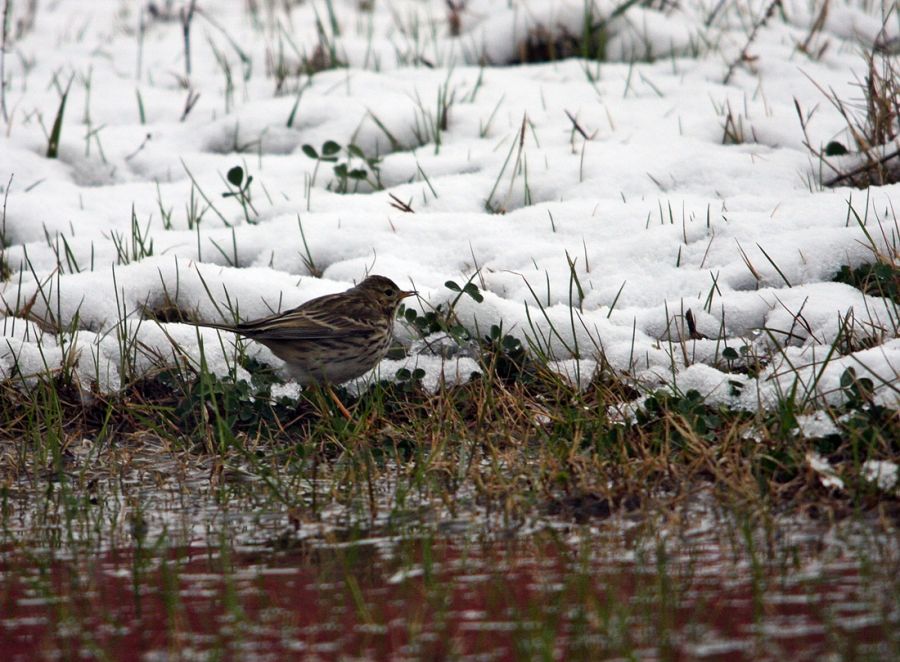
(863, 168)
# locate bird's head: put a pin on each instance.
(383, 292)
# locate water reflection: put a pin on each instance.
(194, 568)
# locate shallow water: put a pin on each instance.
(163, 564)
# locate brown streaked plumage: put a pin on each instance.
(334, 338)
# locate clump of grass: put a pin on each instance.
(325, 55)
(494, 204)
(430, 125)
(877, 279)
(734, 129)
(135, 247)
(545, 45)
(813, 45)
(353, 170)
(551, 43)
(873, 125)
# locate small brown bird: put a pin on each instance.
(330, 339)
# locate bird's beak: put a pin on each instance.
(408, 293)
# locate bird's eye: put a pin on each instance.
(389, 292)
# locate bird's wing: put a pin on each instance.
(318, 319)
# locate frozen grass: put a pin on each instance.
(651, 323)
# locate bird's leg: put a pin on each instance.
(337, 401)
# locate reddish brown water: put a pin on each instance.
(155, 566)
(434, 599)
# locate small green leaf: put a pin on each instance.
(834, 148)
(330, 148)
(235, 176)
(356, 151)
(729, 354)
(310, 151)
(450, 285)
(472, 290)
(403, 375)
(848, 377)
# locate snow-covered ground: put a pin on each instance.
(518, 175)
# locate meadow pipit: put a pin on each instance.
(330, 339)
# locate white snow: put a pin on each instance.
(883, 474)
(653, 214)
(824, 470)
(816, 425)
